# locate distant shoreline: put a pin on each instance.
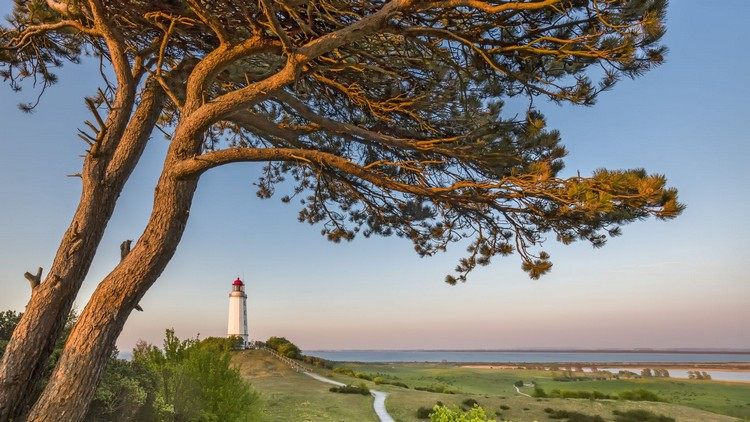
(644, 351)
(717, 366)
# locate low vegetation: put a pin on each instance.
(436, 388)
(442, 413)
(640, 415)
(286, 348)
(351, 389)
(377, 378)
(631, 395)
(186, 380)
(571, 416)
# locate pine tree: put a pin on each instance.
(387, 117)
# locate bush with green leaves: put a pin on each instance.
(437, 388)
(469, 403)
(423, 412)
(571, 416)
(284, 347)
(640, 415)
(630, 395)
(192, 380)
(351, 389)
(454, 414)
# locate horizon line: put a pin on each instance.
(688, 350)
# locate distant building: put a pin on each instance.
(237, 326)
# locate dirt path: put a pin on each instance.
(519, 392)
(378, 404)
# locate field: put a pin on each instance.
(289, 396)
(293, 397)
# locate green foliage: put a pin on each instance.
(378, 378)
(436, 388)
(316, 361)
(121, 393)
(284, 347)
(639, 395)
(631, 395)
(640, 415)
(423, 412)
(8, 322)
(518, 383)
(570, 416)
(187, 380)
(480, 175)
(469, 403)
(351, 389)
(454, 414)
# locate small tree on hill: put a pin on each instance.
(386, 117)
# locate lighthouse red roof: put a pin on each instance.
(238, 282)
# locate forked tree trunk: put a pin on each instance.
(27, 354)
(73, 382)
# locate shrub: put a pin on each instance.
(640, 416)
(436, 389)
(187, 380)
(379, 380)
(345, 371)
(284, 347)
(423, 412)
(454, 414)
(518, 383)
(469, 403)
(505, 407)
(639, 395)
(316, 361)
(351, 389)
(631, 395)
(573, 416)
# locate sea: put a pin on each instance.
(601, 358)
(489, 356)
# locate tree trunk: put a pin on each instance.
(72, 384)
(104, 175)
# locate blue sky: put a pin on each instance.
(681, 283)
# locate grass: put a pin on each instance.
(725, 398)
(294, 397)
(289, 396)
(492, 388)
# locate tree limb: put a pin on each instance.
(34, 279)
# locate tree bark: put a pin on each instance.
(104, 175)
(73, 382)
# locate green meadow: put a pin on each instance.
(294, 397)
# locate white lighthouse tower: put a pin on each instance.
(237, 325)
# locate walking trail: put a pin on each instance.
(519, 392)
(378, 404)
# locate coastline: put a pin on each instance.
(716, 366)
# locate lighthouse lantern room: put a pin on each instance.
(237, 326)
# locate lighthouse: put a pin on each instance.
(237, 326)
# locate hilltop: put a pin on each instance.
(290, 396)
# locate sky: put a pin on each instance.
(681, 283)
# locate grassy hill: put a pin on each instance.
(290, 396)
